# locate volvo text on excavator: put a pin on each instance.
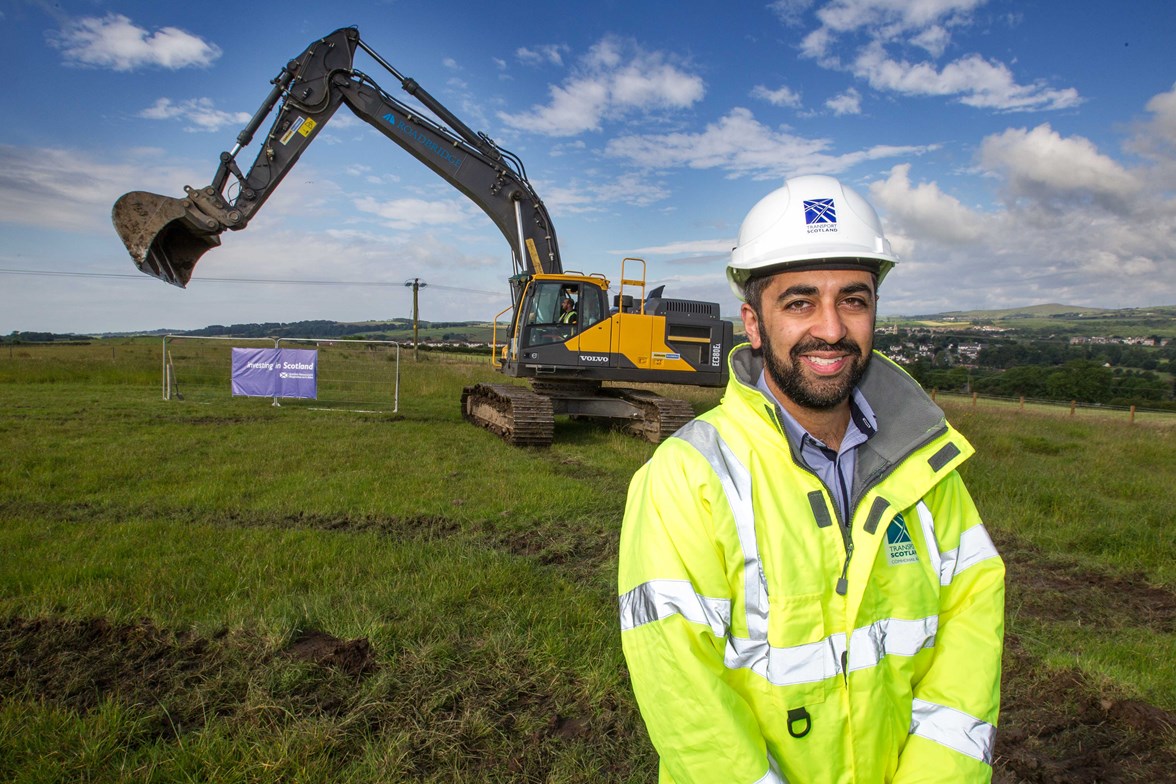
(566, 353)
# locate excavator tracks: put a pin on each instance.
(660, 418)
(526, 417)
(514, 413)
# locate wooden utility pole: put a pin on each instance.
(417, 284)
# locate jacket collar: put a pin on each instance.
(907, 417)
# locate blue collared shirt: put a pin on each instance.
(835, 468)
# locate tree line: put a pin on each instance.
(1101, 374)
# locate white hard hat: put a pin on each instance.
(813, 222)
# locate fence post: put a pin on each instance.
(974, 396)
(164, 381)
(1133, 415)
(934, 393)
(277, 347)
(1073, 405)
(1022, 402)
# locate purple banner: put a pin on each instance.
(275, 372)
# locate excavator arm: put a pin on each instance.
(167, 236)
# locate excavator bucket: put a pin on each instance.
(165, 236)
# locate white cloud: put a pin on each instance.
(937, 215)
(1163, 109)
(700, 249)
(613, 80)
(600, 195)
(849, 102)
(1042, 165)
(975, 81)
(790, 12)
(1155, 139)
(545, 54)
(68, 190)
(859, 36)
(933, 40)
(893, 17)
(198, 113)
(781, 96)
(410, 214)
(113, 41)
(743, 146)
(1020, 253)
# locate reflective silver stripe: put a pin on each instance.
(773, 776)
(659, 599)
(927, 523)
(816, 661)
(736, 482)
(890, 637)
(975, 546)
(809, 663)
(953, 728)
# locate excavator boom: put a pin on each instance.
(166, 236)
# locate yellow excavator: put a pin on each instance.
(563, 334)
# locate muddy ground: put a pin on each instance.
(1055, 727)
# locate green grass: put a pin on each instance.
(173, 551)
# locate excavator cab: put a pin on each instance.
(556, 308)
(165, 236)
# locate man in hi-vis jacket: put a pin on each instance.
(807, 592)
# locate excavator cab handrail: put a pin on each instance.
(625, 280)
(494, 361)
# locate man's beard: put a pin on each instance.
(819, 394)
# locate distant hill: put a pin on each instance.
(1056, 319)
(1054, 310)
(1031, 311)
(1160, 319)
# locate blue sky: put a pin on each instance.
(1018, 152)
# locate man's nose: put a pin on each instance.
(827, 324)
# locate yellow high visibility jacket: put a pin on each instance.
(770, 641)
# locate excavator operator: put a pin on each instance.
(567, 307)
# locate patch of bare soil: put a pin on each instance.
(78, 664)
(179, 679)
(177, 682)
(354, 657)
(1056, 726)
(579, 554)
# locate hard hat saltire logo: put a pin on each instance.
(899, 547)
(820, 215)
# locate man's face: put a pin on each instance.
(816, 330)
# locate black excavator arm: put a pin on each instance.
(167, 236)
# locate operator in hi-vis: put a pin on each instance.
(807, 593)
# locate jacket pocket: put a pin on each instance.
(803, 659)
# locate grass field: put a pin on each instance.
(230, 591)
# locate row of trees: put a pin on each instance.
(1084, 381)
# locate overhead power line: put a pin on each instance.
(275, 281)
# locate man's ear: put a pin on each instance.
(751, 324)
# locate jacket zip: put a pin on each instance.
(846, 535)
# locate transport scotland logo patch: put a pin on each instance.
(899, 547)
(819, 211)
